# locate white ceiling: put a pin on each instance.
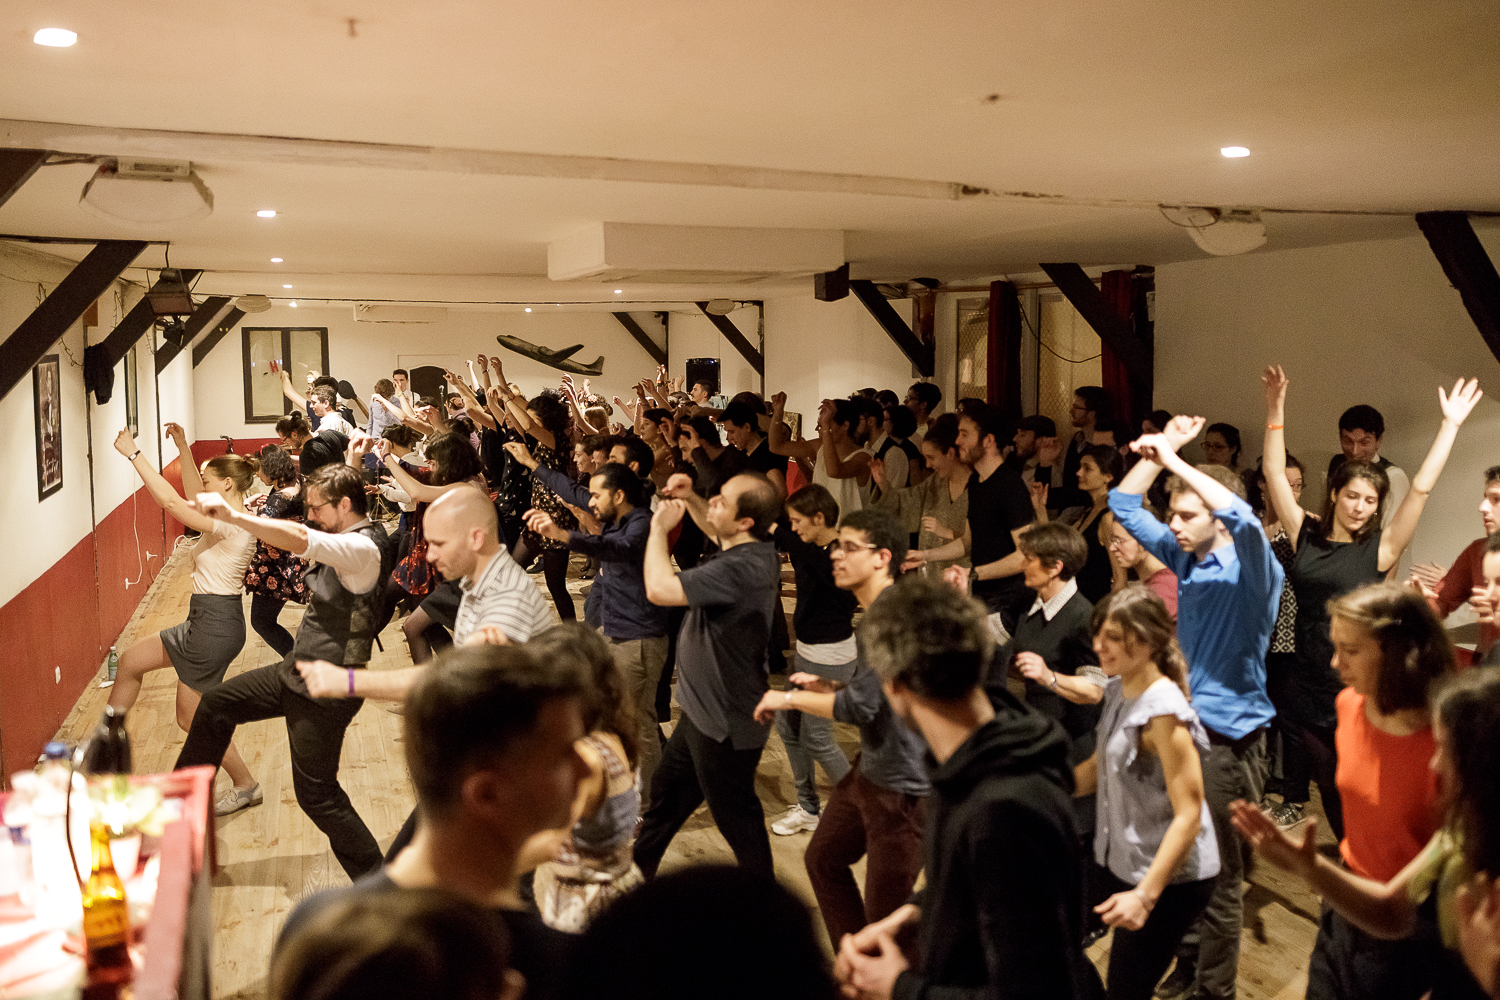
(1383, 106)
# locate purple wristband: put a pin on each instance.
(351, 682)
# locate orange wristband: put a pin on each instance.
(1275, 427)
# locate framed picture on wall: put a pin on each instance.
(46, 380)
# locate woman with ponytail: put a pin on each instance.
(201, 648)
(1155, 852)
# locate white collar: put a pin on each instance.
(1052, 607)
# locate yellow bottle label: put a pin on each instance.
(106, 923)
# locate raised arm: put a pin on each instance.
(277, 532)
(856, 467)
(420, 492)
(663, 587)
(1278, 490)
(1456, 409)
(778, 436)
(679, 486)
(161, 491)
(289, 392)
(192, 480)
(1161, 449)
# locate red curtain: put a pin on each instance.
(1003, 377)
(1132, 398)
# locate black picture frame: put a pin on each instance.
(46, 386)
(248, 367)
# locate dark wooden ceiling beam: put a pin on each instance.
(651, 347)
(732, 334)
(30, 341)
(220, 331)
(1080, 290)
(922, 354)
(16, 168)
(202, 316)
(1469, 269)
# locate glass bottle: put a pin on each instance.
(106, 920)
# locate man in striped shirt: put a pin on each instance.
(500, 602)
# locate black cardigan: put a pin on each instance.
(1065, 643)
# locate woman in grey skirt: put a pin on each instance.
(201, 648)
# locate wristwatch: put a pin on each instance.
(1053, 685)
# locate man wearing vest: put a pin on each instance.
(348, 559)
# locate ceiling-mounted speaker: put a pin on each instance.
(830, 286)
(252, 303)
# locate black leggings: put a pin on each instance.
(1137, 959)
(1309, 754)
(554, 570)
(263, 614)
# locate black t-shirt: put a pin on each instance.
(537, 951)
(997, 506)
(824, 611)
(762, 459)
(1322, 570)
(721, 649)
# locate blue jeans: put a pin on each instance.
(809, 738)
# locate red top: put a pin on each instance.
(1164, 584)
(1388, 789)
(1457, 585)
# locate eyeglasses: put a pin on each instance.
(849, 548)
(314, 506)
(1296, 487)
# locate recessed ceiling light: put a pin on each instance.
(57, 38)
(286, 286)
(275, 260)
(1234, 152)
(619, 291)
(528, 309)
(267, 213)
(292, 304)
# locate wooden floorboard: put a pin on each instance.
(271, 856)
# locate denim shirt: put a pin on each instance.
(1226, 607)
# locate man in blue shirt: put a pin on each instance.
(636, 628)
(1228, 594)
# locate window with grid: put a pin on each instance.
(1068, 358)
(299, 350)
(972, 374)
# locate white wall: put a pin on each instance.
(693, 335)
(1373, 322)
(40, 532)
(822, 350)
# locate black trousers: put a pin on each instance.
(1348, 964)
(264, 612)
(315, 729)
(1311, 755)
(1138, 959)
(693, 769)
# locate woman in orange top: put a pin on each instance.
(1390, 650)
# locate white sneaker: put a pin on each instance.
(241, 798)
(794, 820)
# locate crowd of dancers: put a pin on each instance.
(1090, 680)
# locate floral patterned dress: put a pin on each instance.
(548, 502)
(274, 572)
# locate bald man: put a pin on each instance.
(721, 665)
(500, 602)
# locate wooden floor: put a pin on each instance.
(272, 855)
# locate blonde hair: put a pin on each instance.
(239, 468)
(1141, 614)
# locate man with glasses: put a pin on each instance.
(1091, 407)
(348, 556)
(876, 809)
(721, 666)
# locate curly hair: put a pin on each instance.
(277, 467)
(552, 413)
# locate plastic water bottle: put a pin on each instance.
(114, 663)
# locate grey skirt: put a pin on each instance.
(202, 647)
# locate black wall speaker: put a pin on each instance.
(703, 370)
(830, 286)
